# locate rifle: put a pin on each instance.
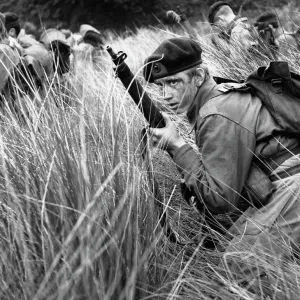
(135, 90)
(185, 23)
(155, 119)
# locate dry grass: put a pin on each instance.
(78, 219)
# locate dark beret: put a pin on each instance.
(213, 9)
(11, 20)
(172, 56)
(265, 19)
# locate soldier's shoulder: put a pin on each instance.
(287, 37)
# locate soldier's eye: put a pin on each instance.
(173, 83)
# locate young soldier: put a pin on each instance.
(232, 128)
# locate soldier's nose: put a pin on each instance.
(168, 97)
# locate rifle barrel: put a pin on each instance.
(135, 90)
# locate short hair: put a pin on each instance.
(12, 21)
(193, 71)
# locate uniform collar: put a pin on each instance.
(204, 93)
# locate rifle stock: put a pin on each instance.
(135, 90)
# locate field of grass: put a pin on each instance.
(78, 216)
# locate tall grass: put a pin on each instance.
(78, 217)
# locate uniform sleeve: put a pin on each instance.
(217, 178)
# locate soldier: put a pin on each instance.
(229, 28)
(275, 36)
(55, 41)
(8, 61)
(90, 44)
(37, 67)
(91, 35)
(13, 27)
(231, 128)
(182, 19)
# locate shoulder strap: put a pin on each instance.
(234, 86)
(220, 80)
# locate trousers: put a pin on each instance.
(264, 252)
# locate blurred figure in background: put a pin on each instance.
(9, 59)
(230, 29)
(55, 41)
(88, 44)
(267, 27)
(183, 21)
(275, 36)
(12, 24)
(28, 35)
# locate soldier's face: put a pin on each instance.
(223, 17)
(178, 91)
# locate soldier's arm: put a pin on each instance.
(217, 178)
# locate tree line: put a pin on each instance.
(116, 14)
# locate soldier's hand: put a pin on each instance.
(166, 138)
(173, 16)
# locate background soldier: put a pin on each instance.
(229, 28)
(55, 41)
(275, 36)
(13, 27)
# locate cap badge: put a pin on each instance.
(156, 68)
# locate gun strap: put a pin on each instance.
(171, 235)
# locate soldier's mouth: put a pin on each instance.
(173, 106)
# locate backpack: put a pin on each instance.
(279, 90)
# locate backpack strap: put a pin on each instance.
(234, 87)
(220, 80)
(268, 165)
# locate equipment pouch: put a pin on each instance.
(258, 187)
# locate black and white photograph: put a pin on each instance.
(149, 150)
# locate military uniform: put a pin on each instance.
(231, 128)
(245, 157)
(239, 33)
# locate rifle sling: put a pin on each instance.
(268, 165)
(285, 173)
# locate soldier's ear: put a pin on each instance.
(200, 76)
(12, 32)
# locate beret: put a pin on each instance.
(213, 9)
(11, 20)
(265, 19)
(172, 56)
